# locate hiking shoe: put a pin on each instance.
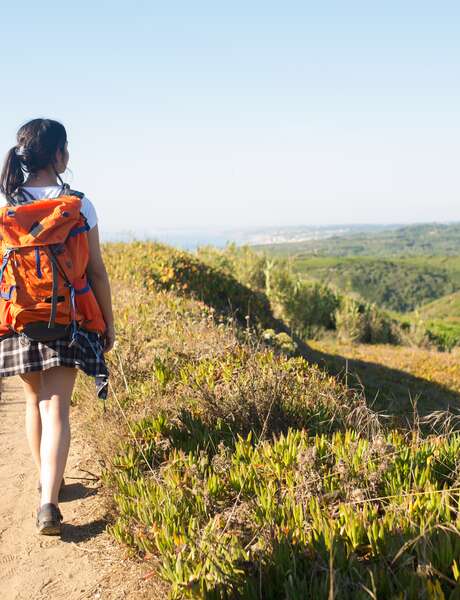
(39, 486)
(49, 519)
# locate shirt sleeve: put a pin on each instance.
(87, 208)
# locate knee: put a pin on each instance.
(32, 386)
(54, 407)
(32, 400)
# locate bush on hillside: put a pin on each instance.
(309, 308)
(380, 328)
(350, 321)
(359, 322)
(444, 335)
(242, 262)
(160, 267)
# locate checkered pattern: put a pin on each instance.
(20, 355)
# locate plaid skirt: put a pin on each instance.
(19, 354)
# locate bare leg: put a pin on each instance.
(57, 386)
(48, 395)
(32, 384)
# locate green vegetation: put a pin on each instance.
(398, 285)
(446, 308)
(297, 516)
(358, 322)
(360, 298)
(160, 267)
(442, 320)
(444, 335)
(308, 306)
(240, 470)
(401, 270)
(351, 297)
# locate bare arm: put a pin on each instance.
(100, 284)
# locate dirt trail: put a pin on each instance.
(79, 565)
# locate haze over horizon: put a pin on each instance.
(190, 238)
(245, 115)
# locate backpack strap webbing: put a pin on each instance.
(5, 259)
(54, 271)
(56, 266)
(20, 196)
(66, 191)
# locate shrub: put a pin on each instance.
(242, 262)
(310, 308)
(296, 516)
(350, 321)
(157, 266)
(306, 306)
(444, 335)
(359, 322)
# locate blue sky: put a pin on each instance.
(245, 113)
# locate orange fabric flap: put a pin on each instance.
(46, 221)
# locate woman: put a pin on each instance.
(32, 170)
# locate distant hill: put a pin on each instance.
(411, 240)
(399, 285)
(190, 238)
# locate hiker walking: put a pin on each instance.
(55, 300)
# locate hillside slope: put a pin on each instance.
(446, 308)
(398, 285)
(238, 470)
(394, 377)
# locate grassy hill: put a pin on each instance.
(446, 308)
(240, 470)
(399, 285)
(441, 319)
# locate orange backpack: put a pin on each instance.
(43, 284)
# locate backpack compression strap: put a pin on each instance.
(56, 266)
(54, 288)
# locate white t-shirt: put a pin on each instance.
(53, 191)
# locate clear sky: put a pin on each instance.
(249, 113)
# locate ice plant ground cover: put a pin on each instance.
(242, 471)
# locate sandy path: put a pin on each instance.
(40, 567)
(85, 563)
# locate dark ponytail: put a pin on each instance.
(38, 142)
(12, 174)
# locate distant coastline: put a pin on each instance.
(190, 239)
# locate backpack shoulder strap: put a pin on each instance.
(66, 191)
(21, 196)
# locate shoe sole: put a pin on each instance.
(49, 528)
